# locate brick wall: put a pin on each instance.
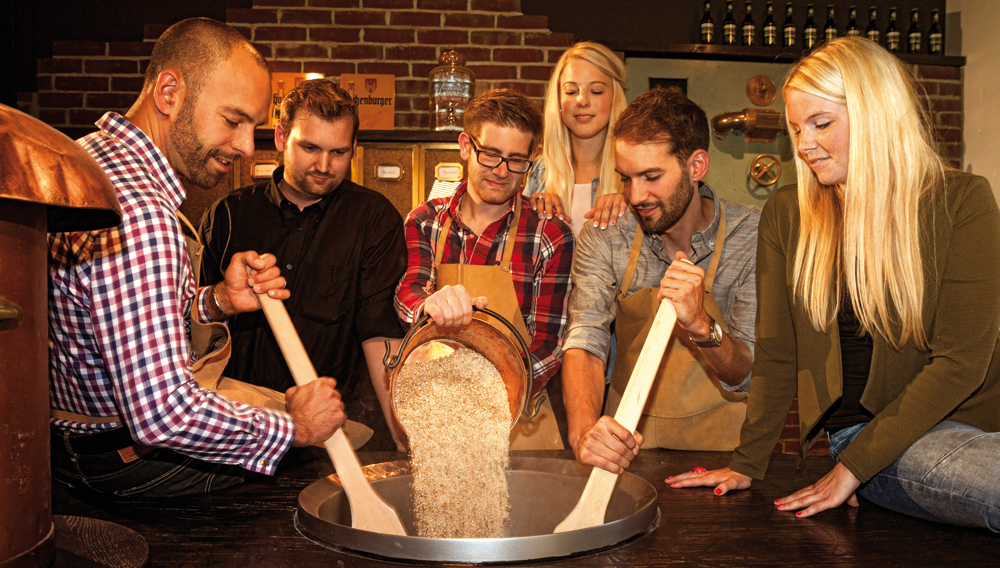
(503, 47)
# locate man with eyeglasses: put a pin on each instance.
(483, 247)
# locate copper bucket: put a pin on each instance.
(426, 342)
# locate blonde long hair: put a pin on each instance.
(869, 233)
(558, 152)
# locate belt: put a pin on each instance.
(99, 443)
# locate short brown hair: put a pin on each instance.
(322, 98)
(664, 116)
(196, 47)
(504, 107)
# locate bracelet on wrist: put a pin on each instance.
(216, 306)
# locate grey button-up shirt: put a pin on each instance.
(601, 258)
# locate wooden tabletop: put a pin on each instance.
(252, 525)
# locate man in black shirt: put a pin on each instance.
(340, 247)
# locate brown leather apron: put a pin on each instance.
(687, 409)
(212, 343)
(539, 432)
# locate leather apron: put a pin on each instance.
(687, 409)
(496, 283)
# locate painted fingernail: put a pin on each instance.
(669, 477)
(718, 491)
(699, 470)
(799, 514)
(776, 501)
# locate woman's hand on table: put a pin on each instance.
(724, 480)
(832, 490)
(547, 205)
(607, 209)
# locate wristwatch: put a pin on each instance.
(714, 339)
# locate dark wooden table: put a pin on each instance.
(252, 525)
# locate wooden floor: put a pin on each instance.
(253, 525)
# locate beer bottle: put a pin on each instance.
(872, 31)
(788, 31)
(770, 37)
(891, 33)
(809, 32)
(913, 36)
(852, 23)
(729, 26)
(707, 27)
(935, 41)
(749, 29)
(830, 29)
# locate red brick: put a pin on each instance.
(251, 16)
(127, 84)
(60, 65)
(401, 104)
(334, 3)
(306, 17)
(131, 48)
(417, 19)
(110, 67)
(284, 66)
(948, 105)
(245, 31)
(143, 66)
(421, 103)
(555, 54)
(279, 2)
(939, 72)
(303, 51)
(496, 5)
(422, 69)
(332, 69)
(464, 20)
(474, 54)
(337, 35)
(523, 22)
(412, 121)
(381, 68)
(26, 97)
(388, 35)
(495, 38)
(355, 18)
(441, 4)
(52, 116)
(549, 40)
(927, 88)
(279, 34)
(444, 37)
(43, 83)
(950, 119)
(357, 52)
(493, 72)
(410, 53)
(950, 89)
(263, 49)
(78, 48)
(110, 100)
(412, 87)
(526, 89)
(538, 73)
(388, 4)
(60, 100)
(153, 31)
(518, 55)
(947, 135)
(86, 117)
(81, 83)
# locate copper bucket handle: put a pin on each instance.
(531, 405)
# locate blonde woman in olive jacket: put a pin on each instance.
(881, 248)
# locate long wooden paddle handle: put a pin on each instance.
(368, 510)
(593, 503)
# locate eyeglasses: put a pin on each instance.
(492, 161)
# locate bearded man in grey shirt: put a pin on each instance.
(669, 245)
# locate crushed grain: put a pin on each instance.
(455, 411)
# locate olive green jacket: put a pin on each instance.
(909, 391)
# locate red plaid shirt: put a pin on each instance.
(120, 303)
(540, 266)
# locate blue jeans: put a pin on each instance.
(160, 473)
(950, 475)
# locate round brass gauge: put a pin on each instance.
(765, 169)
(761, 90)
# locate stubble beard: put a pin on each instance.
(671, 211)
(192, 152)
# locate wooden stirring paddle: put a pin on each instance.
(369, 512)
(590, 509)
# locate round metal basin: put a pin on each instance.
(542, 492)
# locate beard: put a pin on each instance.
(670, 211)
(192, 151)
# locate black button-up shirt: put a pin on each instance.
(342, 258)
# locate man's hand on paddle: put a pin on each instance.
(608, 445)
(451, 306)
(317, 411)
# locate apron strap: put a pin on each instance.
(720, 241)
(508, 251)
(442, 239)
(194, 232)
(633, 260)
